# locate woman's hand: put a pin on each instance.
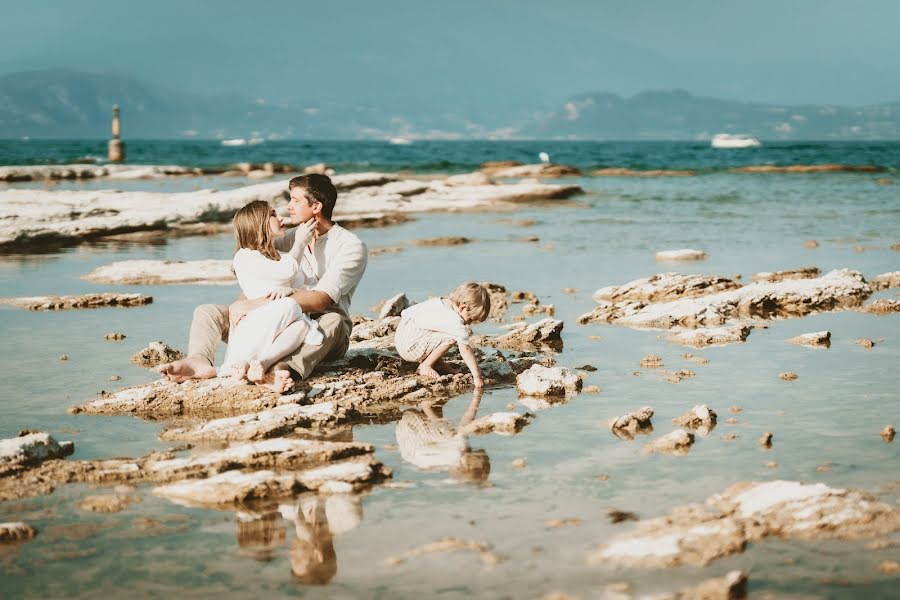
(306, 231)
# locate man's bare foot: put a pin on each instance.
(255, 371)
(238, 370)
(428, 372)
(278, 380)
(192, 367)
(443, 367)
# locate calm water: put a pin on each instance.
(747, 223)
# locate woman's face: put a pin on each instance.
(275, 225)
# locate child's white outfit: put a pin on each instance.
(258, 276)
(427, 325)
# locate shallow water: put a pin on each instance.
(830, 415)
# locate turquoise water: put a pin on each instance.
(747, 223)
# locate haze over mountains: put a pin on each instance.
(61, 104)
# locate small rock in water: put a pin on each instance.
(735, 409)
(819, 339)
(651, 361)
(620, 516)
(602, 477)
(558, 523)
(731, 421)
(519, 463)
(682, 254)
(16, 532)
(865, 343)
(156, 354)
(108, 503)
(114, 336)
(696, 359)
(888, 433)
(591, 389)
(700, 416)
(889, 567)
(590, 368)
(824, 468)
(678, 442)
(570, 290)
(772, 464)
(765, 440)
(883, 306)
(63, 357)
(788, 375)
(811, 244)
(114, 378)
(728, 437)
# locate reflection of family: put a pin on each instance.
(296, 289)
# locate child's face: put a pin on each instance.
(275, 225)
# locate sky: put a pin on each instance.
(462, 53)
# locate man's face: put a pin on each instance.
(299, 209)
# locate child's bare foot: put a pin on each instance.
(255, 371)
(278, 380)
(185, 369)
(238, 370)
(428, 372)
(444, 367)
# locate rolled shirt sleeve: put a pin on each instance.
(344, 271)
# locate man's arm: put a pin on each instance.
(341, 274)
(312, 301)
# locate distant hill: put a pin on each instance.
(68, 104)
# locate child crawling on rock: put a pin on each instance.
(278, 328)
(428, 330)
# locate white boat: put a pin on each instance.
(255, 141)
(729, 140)
(234, 142)
(400, 141)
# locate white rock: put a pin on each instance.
(682, 254)
(539, 380)
(26, 451)
(155, 272)
(709, 336)
(817, 339)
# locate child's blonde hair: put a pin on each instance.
(252, 231)
(474, 301)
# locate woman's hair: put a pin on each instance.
(252, 231)
(474, 300)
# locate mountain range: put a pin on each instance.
(67, 104)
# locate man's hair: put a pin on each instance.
(474, 299)
(317, 188)
(251, 229)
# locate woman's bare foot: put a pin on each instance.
(255, 371)
(192, 367)
(444, 367)
(428, 372)
(278, 380)
(238, 370)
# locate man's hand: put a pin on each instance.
(279, 293)
(240, 308)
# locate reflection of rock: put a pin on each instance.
(682, 254)
(745, 512)
(94, 300)
(107, 503)
(632, 423)
(709, 336)
(665, 286)
(156, 354)
(678, 442)
(156, 272)
(883, 306)
(539, 380)
(818, 339)
(16, 532)
(488, 558)
(259, 535)
(801, 273)
(273, 422)
(27, 451)
(502, 423)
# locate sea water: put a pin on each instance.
(825, 423)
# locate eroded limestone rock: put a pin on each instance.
(883, 306)
(539, 380)
(93, 300)
(392, 307)
(677, 442)
(825, 168)
(622, 172)
(818, 339)
(522, 336)
(681, 254)
(107, 503)
(16, 531)
(801, 273)
(156, 272)
(886, 281)
(156, 354)
(888, 433)
(27, 451)
(666, 286)
(701, 416)
(540, 170)
(633, 423)
(731, 586)
(502, 423)
(710, 336)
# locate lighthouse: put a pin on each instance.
(116, 147)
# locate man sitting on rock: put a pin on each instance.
(335, 260)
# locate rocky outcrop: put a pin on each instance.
(539, 380)
(540, 170)
(700, 417)
(801, 273)
(156, 354)
(818, 339)
(501, 423)
(157, 272)
(885, 281)
(62, 172)
(525, 337)
(679, 255)
(749, 512)
(634, 423)
(826, 168)
(710, 336)
(94, 300)
(883, 306)
(16, 531)
(664, 287)
(392, 307)
(26, 451)
(678, 442)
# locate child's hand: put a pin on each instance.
(279, 294)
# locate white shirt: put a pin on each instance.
(335, 266)
(258, 275)
(435, 315)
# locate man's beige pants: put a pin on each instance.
(210, 326)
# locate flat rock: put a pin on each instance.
(539, 170)
(81, 171)
(825, 168)
(522, 336)
(16, 532)
(93, 300)
(731, 586)
(632, 423)
(28, 451)
(453, 240)
(666, 286)
(710, 336)
(393, 306)
(677, 442)
(801, 273)
(817, 339)
(270, 423)
(539, 380)
(680, 254)
(745, 512)
(501, 423)
(886, 281)
(623, 172)
(157, 272)
(156, 354)
(883, 306)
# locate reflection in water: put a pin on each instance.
(429, 441)
(316, 519)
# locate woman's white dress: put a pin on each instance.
(258, 276)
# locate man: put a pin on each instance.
(335, 259)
